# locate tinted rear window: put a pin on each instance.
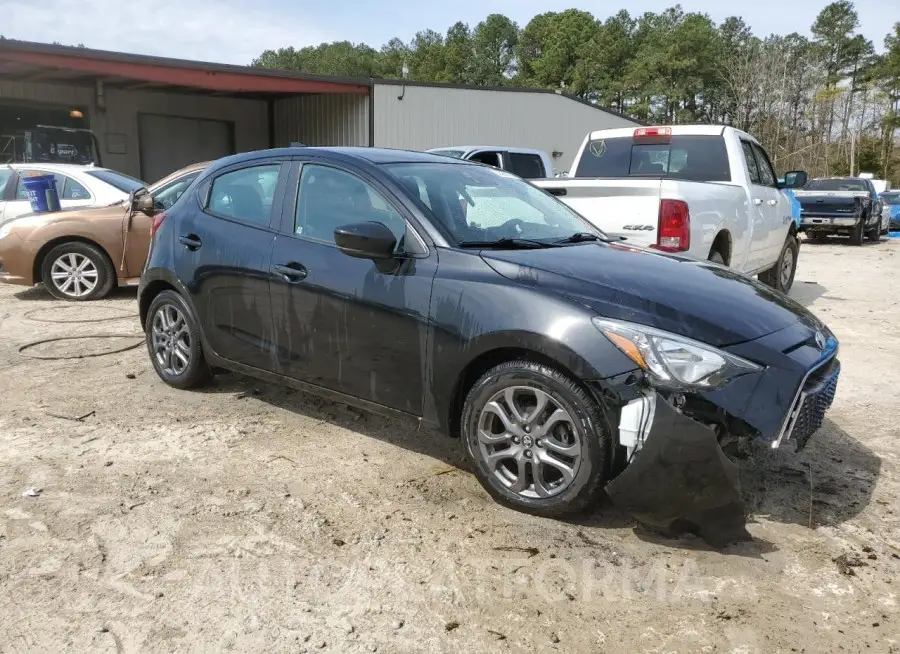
(529, 166)
(693, 158)
(836, 185)
(120, 181)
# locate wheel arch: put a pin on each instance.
(723, 244)
(489, 358)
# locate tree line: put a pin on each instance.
(829, 104)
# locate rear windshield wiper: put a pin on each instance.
(508, 243)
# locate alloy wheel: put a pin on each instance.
(787, 267)
(171, 340)
(529, 442)
(74, 275)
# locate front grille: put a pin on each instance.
(815, 399)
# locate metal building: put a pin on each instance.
(152, 115)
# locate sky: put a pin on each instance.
(236, 31)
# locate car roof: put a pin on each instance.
(347, 154)
(469, 148)
(54, 167)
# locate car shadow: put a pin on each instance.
(39, 293)
(827, 483)
(807, 292)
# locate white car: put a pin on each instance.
(706, 191)
(78, 186)
(527, 163)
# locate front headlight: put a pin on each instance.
(674, 361)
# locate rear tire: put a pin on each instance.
(173, 342)
(526, 458)
(77, 272)
(781, 275)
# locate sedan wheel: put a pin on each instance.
(77, 271)
(539, 442)
(529, 442)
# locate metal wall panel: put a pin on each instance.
(430, 117)
(322, 119)
(120, 115)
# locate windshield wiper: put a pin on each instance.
(585, 237)
(508, 243)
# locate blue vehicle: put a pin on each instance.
(795, 203)
(891, 200)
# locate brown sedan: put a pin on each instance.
(83, 254)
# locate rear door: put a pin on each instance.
(776, 206)
(760, 211)
(137, 226)
(223, 251)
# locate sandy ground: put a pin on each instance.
(250, 517)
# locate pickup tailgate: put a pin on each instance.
(619, 207)
(829, 202)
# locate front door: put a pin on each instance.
(759, 210)
(225, 250)
(346, 324)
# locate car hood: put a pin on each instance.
(700, 300)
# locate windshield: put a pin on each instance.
(836, 185)
(478, 203)
(455, 154)
(120, 181)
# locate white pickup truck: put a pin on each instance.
(706, 191)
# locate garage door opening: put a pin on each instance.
(16, 119)
(168, 143)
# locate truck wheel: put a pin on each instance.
(539, 443)
(856, 236)
(781, 275)
(875, 234)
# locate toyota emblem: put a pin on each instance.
(820, 340)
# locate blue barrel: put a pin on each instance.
(42, 193)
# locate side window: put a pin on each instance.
(5, 175)
(751, 162)
(20, 187)
(246, 194)
(70, 189)
(528, 166)
(489, 158)
(766, 174)
(168, 195)
(328, 198)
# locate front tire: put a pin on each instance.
(539, 443)
(173, 342)
(78, 272)
(856, 236)
(781, 275)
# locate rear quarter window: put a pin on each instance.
(691, 158)
(528, 166)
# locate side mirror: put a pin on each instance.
(371, 240)
(795, 179)
(142, 201)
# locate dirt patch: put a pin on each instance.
(252, 517)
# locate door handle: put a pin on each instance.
(757, 201)
(772, 203)
(292, 272)
(191, 241)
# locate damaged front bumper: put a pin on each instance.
(677, 477)
(680, 479)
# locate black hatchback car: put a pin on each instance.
(463, 296)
